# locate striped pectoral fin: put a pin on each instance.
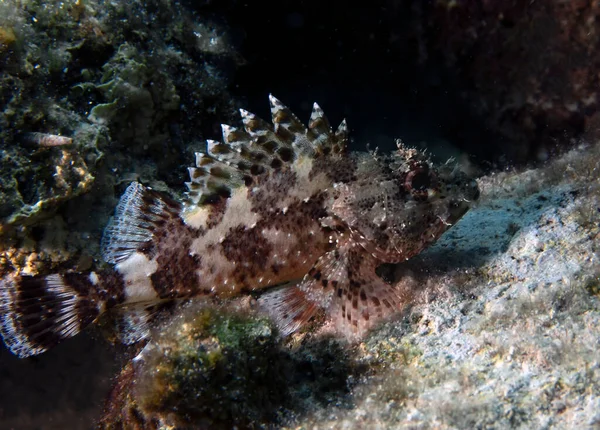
(359, 306)
(38, 312)
(293, 306)
(343, 283)
(363, 300)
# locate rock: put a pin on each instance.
(219, 367)
(502, 330)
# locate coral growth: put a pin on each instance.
(126, 83)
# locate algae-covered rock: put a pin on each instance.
(215, 368)
(47, 178)
(133, 86)
(138, 98)
(219, 368)
(206, 368)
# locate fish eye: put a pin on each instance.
(419, 180)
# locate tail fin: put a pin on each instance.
(38, 312)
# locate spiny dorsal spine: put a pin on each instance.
(260, 148)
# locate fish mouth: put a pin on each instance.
(474, 191)
(456, 210)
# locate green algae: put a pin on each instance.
(102, 113)
(217, 367)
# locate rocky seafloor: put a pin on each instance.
(502, 326)
(504, 330)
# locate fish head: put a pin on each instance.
(398, 204)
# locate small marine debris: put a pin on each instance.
(46, 139)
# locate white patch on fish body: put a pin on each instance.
(305, 186)
(136, 271)
(216, 266)
(238, 212)
(197, 217)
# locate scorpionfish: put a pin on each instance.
(279, 208)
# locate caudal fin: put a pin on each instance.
(38, 312)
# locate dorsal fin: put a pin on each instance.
(139, 212)
(288, 127)
(319, 129)
(340, 141)
(261, 148)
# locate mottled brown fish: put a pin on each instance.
(270, 205)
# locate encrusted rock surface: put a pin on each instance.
(504, 328)
(133, 85)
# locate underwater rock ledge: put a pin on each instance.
(503, 329)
